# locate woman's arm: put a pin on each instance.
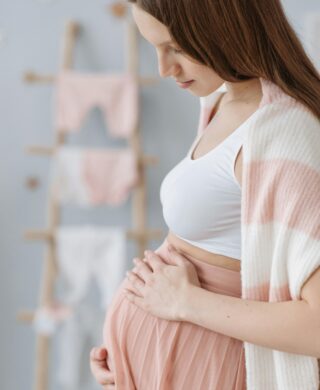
(172, 292)
(292, 326)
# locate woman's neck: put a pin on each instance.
(243, 91)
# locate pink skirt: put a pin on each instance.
(149, 353)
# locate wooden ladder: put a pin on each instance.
(139, 231)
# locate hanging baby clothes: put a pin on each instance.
(91, 177)
(75, 338)
(116, 95)
(87, 253)
(122, 175)
(47, 318)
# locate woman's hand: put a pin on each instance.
(159, 288)
(100, 370)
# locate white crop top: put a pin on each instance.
(201, 198)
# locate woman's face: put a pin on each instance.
(199, 79)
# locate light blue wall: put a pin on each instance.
(31, 32)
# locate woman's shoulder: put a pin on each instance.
(285, 129)
(280, 104)
(288, 114)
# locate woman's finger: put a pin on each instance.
(177, 258)
(154, 260)
(101, 374)
(98, 354)
(99, 368)
(135, 299)
(106, 380)
(135, 284)
(141, 269)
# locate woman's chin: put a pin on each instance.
(200, 92)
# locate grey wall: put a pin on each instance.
(30, 38)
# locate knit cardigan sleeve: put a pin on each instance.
(280, 225)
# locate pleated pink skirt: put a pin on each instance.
(149, 353)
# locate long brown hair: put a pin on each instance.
(241, 40)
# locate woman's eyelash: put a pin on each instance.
(176, 51)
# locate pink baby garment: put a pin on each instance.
(110, 175)
(115, 94)
(92, 177)
(90, 253)
(48, 318)
(87, 257)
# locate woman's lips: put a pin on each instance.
(185, 84)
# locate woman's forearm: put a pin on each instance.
(290, 326)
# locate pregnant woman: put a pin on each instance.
(231, 299)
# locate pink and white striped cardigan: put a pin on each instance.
(280, 223)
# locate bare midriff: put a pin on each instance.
(187, 249)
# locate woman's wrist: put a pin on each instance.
(186, 304)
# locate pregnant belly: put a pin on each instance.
(149, 353)
(192, 251)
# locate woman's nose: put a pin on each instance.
(167, 68)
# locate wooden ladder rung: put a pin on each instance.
(25, 316)
(149, 160)
(146, 234)
(46, 235)
(40, 150)
(33, 77)
(118, 9)
(49, 150)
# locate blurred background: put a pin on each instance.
(32, 38)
